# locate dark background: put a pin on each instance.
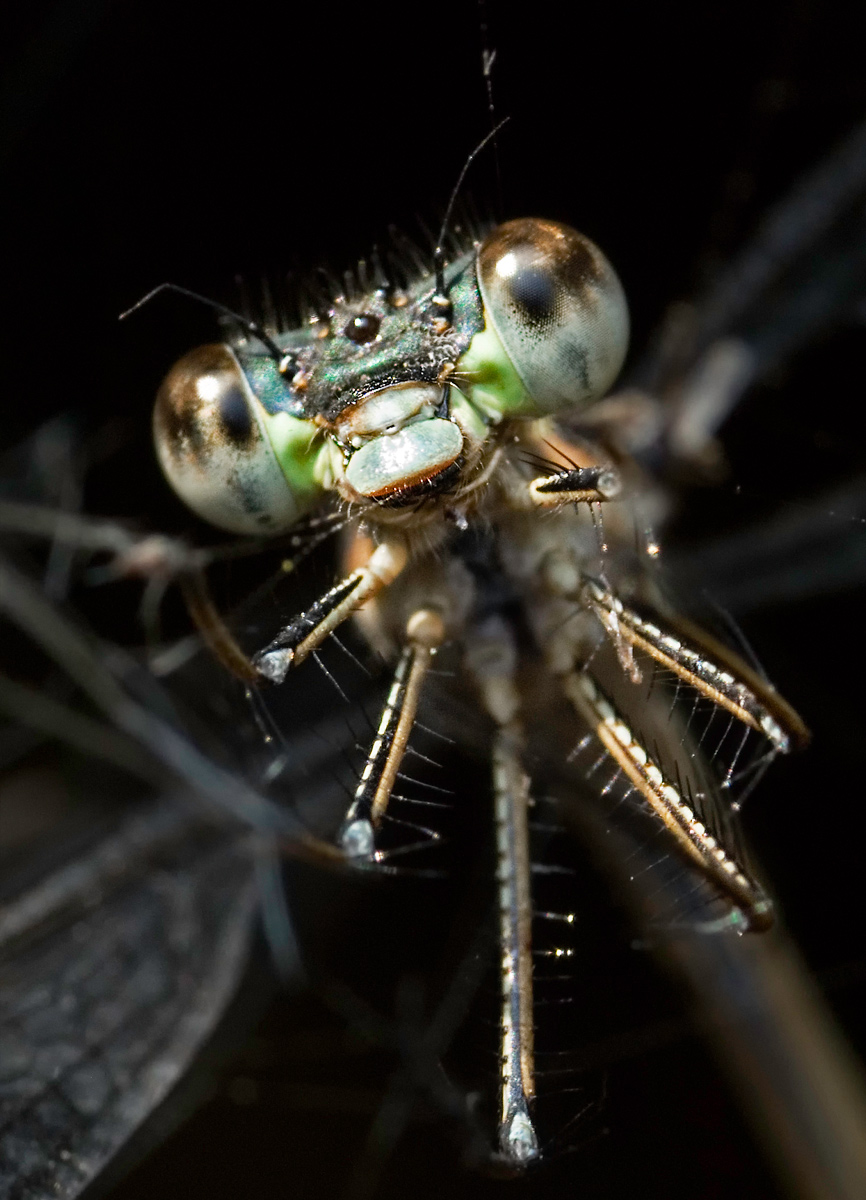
(151, 142)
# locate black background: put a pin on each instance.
(152, 142)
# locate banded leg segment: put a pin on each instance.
(302, 635)
(579, 485)
(517, 1138)
(727, 682)
(425, 633)
(667, 800)
(307, 631)
(491, 658)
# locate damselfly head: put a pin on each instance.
(398, 397)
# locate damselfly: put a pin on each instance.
(603, 603)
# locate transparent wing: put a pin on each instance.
(114, 970)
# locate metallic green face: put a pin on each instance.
(393, 395)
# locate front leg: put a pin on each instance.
(302, 635)
(297, 640)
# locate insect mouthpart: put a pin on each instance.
(401, 444)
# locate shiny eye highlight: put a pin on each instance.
(363, 328)
(558, 309)
(214, 448)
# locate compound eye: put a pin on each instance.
(214, 448)
(558, 308)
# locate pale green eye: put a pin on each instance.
(558, 309)
(214, 446)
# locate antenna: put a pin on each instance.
(280, 357)
(441, 297)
